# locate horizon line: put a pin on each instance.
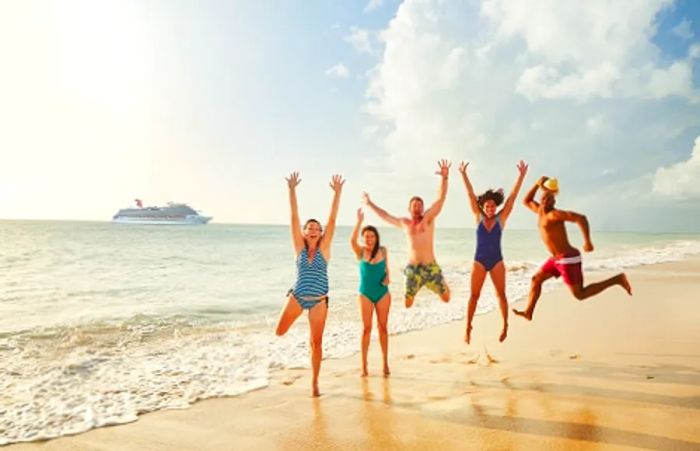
(98, 221)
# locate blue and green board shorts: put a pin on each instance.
(428, 275)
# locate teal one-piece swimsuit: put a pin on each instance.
(371, 277)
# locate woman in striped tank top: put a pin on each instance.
(312, 249)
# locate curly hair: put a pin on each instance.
(494, 195)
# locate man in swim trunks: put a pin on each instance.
(566, 259)
(422, 269)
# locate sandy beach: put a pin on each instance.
(613, 372)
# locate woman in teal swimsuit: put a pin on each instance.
(312, 250)
(374, 292)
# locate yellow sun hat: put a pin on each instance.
(551, 185)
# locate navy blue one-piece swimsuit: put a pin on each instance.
(488, 244)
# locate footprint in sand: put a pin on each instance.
(489, 358)
(506, 381)
(290, 380)
(471, 359)
(409, 356)
(443, 359)
(574, 356)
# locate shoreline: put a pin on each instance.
(640, 360)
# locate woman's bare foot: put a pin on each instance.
(386, 369)
(504, 333)
(315, 393)
(468, 337)
(364, 370)
(625, 283)
(524, 314)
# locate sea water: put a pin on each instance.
(100, 322)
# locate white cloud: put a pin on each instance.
(416, 87)
(492, 83)
(683, 30)
(694, 52)
(548, 83)
(681, 179)
(583, 50)
(372, 5)
(584, 33)
(338, 71)
(361, 40)
(676, 80)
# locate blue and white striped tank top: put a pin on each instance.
(312, 279)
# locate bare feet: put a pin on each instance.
(386, 370)
(409, 302)
(504, 333)
(626, 283)
(489, 358)
(364, 370)
(524, 314)
(315, 393)
(468, 337)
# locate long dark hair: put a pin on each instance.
(306, 245)
(375, 249)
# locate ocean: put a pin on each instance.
(101, 322)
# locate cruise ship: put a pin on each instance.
(172, 214)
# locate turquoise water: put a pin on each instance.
(100, 322)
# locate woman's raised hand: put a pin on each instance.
(336, 183)
(293, 180)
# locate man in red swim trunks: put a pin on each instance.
(566, 259)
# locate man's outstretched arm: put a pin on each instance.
(393, 220)
(436, 207)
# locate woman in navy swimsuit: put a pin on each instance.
(488, 258)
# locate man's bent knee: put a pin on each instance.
(578, 293)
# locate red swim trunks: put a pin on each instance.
(568, 266)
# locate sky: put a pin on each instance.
(213, 103)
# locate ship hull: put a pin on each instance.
(190, 220)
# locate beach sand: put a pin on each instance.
(614, 372)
